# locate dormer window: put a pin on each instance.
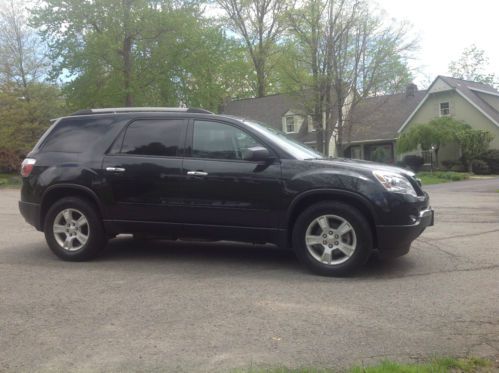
(444, 109)
(290, 124)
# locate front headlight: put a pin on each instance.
(394, 182)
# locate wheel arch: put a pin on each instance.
(58, 191)
(306, 199)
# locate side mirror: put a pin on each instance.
(256, 154)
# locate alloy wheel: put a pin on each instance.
(71, 229)
(331, 239)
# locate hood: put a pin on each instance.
(365, 165)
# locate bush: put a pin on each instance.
(414, 162)
(10, 161)
(401, 164)
(480, 167)
(446, 175)
(448, 164)
(491, 157)
(458, 168)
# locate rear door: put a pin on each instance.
(144, 170)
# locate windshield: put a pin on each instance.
(294, 148)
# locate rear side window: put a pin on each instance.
(75, 135)
(154, 137)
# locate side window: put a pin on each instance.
(220, 141)
(73, 135)
(162, 137)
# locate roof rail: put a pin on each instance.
(140, 109)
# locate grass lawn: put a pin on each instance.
(10, 181)
(444, 365)
(437, 177)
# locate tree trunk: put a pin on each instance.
(260, 79)
(126, 53)
(127, 71)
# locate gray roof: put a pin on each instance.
(374, 118)
(380, 117)
(270, 110)
(468, 89)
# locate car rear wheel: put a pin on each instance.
(332, 238)
(73, 229)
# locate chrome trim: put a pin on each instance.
(115, 169)
(197, 173)
(425, 213)
(134, 109)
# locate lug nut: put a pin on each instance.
(336, 236)
(330, 246)
(330, 233)
(324, 242)
(336, 242)
(324, 235)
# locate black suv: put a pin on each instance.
(190, 173)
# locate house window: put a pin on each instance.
(444, 109)
(311, 127)
(290, 124)
(355, 152)
(382, 153)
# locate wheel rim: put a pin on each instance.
(331, 239)
(71, 229)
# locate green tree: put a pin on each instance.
(473, 143)
(27, 101)
(260, 24)
(473, 64)
(346, 51)
(140, 52)
(434, 134)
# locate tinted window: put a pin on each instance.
(74, 135)
(154, 137)
(293, 147)
(220, 141)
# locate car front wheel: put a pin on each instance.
(332, 238)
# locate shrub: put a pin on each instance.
(414, 162)
(448, 164)
(480, 167)
(445, 175)
(458, 168)
(400, 164)
(491, 157)
(9, 161)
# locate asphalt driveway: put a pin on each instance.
(214, 307)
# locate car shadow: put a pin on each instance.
(232, 255)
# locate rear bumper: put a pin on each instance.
(31, 213)
(395, 240)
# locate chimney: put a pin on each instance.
(410, 90)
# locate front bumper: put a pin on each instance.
(30, 213)
(395, 240)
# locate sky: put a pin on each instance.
(444, 29)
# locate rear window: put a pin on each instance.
(75, 135)
(154, 137)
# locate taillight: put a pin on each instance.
(27, 166)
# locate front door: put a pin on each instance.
(144, 173)
(223, 189)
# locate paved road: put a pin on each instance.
(213, 307)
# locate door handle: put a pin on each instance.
(115, 169)
(197, 173)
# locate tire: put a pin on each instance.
(332, 255)
(57, 219)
